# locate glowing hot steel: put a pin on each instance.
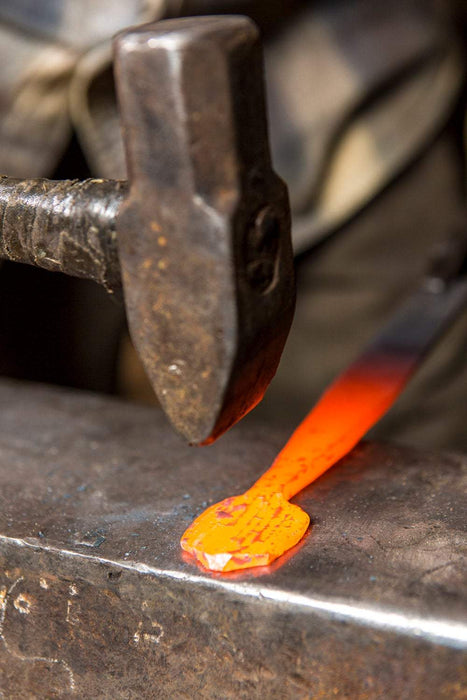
(258, 526)
(255, 528)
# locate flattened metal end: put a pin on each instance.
(205, 232)
(173, 34)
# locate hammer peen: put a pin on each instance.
(199, 237)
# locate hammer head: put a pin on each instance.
(204, 235)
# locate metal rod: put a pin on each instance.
(63, 225)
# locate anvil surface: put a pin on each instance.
(97, 601)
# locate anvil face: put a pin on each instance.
(94, 497)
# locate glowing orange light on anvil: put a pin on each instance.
(255, 528)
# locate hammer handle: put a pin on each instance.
(63, 225)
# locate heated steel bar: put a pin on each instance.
(256, 527)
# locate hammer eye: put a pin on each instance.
(262, 250)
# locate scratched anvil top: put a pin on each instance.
(88, 481)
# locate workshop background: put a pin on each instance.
(366, 102)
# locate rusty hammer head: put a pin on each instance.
(204, 234)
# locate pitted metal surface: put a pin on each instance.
(63, 225)
(199, 237)
(98, 600)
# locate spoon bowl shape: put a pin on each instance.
(240, 532)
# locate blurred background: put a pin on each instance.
(366, 104)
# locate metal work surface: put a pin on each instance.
(97, 600)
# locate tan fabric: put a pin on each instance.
(356, 90)
(34, 121)
(79, 24)
(41, 48)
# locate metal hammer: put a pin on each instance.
(199, 237)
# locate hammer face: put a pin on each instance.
(205, 231)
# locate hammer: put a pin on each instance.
(199, 236)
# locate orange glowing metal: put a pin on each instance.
(255, 528)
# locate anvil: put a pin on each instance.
(97, 600)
